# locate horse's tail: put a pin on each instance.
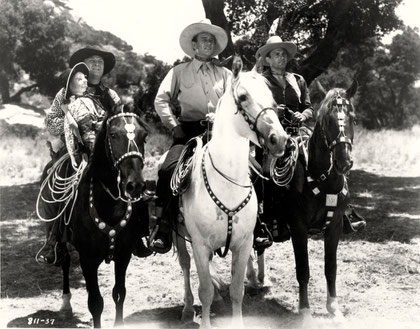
(217, 280)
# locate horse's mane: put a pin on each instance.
(325, 106)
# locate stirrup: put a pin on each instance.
(152, 240)
(57, 258)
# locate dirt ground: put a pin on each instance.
(378, 281)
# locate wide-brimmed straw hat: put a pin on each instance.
(275, 42)
(81, 54)
(68, 75)
(185, 39)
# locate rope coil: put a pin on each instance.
(282, 169)
(63, 189)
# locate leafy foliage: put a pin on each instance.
(33, 41)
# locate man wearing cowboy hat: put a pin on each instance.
(291, 94)
(187, 96)
(99, 63)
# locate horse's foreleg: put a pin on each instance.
(65, 267)
(95, 300)
(239, 261)
(206, 289)
(300, 247)
(332, 236)
(119, 290)
(184, 260)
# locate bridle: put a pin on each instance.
(249, 118)
(130, 134)
(340, 103)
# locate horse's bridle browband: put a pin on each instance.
(130, 136)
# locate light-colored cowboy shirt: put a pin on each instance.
(195, 87)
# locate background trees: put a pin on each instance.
(337, 40)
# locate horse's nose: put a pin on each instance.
(277, 143)
(343, 167)
(134, 189)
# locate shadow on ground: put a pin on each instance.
(390, 205)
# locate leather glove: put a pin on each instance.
(178, 132)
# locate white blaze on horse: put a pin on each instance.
(220, 206)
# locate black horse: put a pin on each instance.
(314, 193)
(108, 214)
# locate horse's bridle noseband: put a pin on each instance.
(129, 127)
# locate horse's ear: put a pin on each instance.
(320, 88)
(236, 66)
(352, 90)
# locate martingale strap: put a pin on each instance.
(229, 212)
(110, 231)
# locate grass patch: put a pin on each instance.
(388, 152)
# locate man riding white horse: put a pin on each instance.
(186, 98)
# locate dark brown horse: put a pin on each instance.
(108, 214)
(317, 194)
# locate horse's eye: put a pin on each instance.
(113, 135)
(242, 98)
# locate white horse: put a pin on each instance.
(220, 206)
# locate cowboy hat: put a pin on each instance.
(275, 42)
(81, 54)
(185, 39)
(68, 75)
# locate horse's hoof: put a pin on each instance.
(187, 316)
(307, 320)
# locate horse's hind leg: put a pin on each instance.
(206, 289)
(251, 273)
(184, 260)
(332, 236)
(65, 267)
(95, 300)
(240, 256)
(119, 290)
(261, 269)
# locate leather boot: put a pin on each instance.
(352, 221)
(160, 240)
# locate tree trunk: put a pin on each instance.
(4, 88)
(214, 12)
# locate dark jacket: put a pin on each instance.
(289, 97)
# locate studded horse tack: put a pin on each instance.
(331, 200)
(112, 231)
(229, 212)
